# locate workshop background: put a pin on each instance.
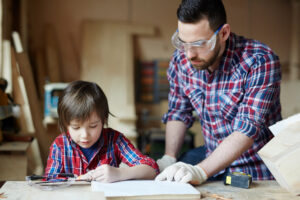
(125, 47)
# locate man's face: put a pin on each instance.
(201, 30)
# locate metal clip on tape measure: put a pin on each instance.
(238, 179)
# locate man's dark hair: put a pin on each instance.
(78, 101)
(192, 11)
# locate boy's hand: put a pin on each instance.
(106, 174)
(86, 177)
(184, 173)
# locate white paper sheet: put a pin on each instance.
(143, 188)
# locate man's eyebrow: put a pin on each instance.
(190, 42)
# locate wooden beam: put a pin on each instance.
(34, 104)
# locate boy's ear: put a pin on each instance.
(225, 32)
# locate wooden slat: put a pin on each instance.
(20, 97)
(34, 104)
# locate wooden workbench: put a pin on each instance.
(261, 190)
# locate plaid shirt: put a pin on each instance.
(242, 95)
(113, 148)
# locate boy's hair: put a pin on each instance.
(78, 101)
(192, 11)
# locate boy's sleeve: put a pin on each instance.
(131, 156)
(54, 162)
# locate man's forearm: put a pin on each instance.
(228, 151)
(175, 131)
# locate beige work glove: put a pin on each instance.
(184, 173)
(165, 162)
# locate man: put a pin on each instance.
(233, 85)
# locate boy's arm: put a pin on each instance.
(131, 156)
(54, 162)
(109, 174)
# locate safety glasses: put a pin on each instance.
(201, 46)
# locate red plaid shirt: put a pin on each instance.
(242, 95)
(113, 148)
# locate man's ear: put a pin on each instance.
(225, 32)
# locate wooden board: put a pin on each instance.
(34, 104)
(281, 155)
(20, 97)
(21, 190)
(259, 190)
(107, 59)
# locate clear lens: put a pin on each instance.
(203, 46)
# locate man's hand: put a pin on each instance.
(184, 173)
(165, 162)
(103, 173)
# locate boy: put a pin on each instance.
(87, 149)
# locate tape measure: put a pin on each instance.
(238, 179)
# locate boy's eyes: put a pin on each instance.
(93, 126)
(75, 128)
(78, 127)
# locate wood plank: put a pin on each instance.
(14, 146)
(281, 155)
(6, 65)
(21, 190)
(259, 190)
(20, 97)
(35, 108)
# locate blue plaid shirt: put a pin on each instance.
(242, 95)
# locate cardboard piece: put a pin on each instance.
(281, 154)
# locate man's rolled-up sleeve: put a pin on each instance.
(262, 86)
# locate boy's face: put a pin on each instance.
(86, 133)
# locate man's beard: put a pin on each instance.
(206, 63)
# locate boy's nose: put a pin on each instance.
(84, 133)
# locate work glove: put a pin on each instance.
(165, 162)
(184, 173)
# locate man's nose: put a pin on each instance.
(190, 53)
